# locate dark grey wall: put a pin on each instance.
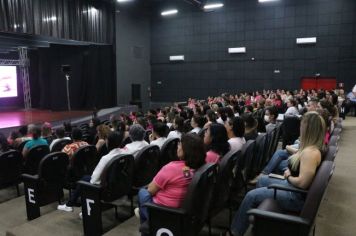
(132, 54)
(269, 32)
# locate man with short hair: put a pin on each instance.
(137, 135)
(159, 134)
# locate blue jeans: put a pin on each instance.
(144, 197)
(287, 200)
(75, 194)
(278, 163)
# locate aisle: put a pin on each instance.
(337, 214)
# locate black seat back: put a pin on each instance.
(202, 133)
(273, 141)
(334, 140)
(146, 165)
(331, 153)
(261, 148)
(34, 157)
(224, 180)
(199, 194)
(10, 167)
(53, 169)
(147, 135)
(22, 145)
(126, 141)
(169, 151)
(290, 130)
(83, 162)
(117, 177)
(58, 146)
(317, 190)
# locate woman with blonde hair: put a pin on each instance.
(301, 170)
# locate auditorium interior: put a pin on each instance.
(177, 117)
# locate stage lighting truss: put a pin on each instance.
(23, 63)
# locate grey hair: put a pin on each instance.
(137, 132)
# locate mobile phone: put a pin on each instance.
(276, 176)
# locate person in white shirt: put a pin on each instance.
(60, 136)
(292, 109)
(271, 114)
(137, 135)
(197, 122)
(235, 130)
(158, 136)
(178, 125)
(113, 142)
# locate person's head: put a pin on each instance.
(46, 129)
(271, 114)
(94, 122)
(197, 121)
(102, 131)
(142, 121)
(35, 131)
(114, 139)
(291, 103)
(178, 124)
(215, 139)
(235, 127)
(325, 114)
(137, 132)
(210, 115)
(312, 133)
(67, 127)
(114, 121)
(4, 145)
(23, 130)
(191, 150)
(159, 129)
(60, 132)
(76, 134)
(326, 104)
(170, 117)
(250, 123)
(312, 104)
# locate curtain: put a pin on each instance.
(83, 20)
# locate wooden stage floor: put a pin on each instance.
(17, 118)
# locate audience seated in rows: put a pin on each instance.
(169, 186)
(158, 136)
(216, 141)
(113, 142)
(36, 140)
(70, 149)
(60, 135)
(301, 170)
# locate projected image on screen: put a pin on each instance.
(8, 81)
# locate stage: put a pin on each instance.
(11, 120)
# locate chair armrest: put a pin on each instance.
(28, 177)
(84, 184)
(278, 217)
(286, 188)
(177, 211)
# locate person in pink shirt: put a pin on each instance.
(216, 140)
(170, 185)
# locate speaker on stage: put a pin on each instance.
(66, 69)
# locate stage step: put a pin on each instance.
(13, 213)
(128, 228)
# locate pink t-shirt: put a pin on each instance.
(173, 184)
(212, 157)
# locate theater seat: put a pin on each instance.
(189, 219)
(269, 217)
(58, 146)
(46, 186)
(116, 182)
(34, 158)
(169, 151)
(10, 169)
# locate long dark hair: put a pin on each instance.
(219, 143)
(193, 148)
